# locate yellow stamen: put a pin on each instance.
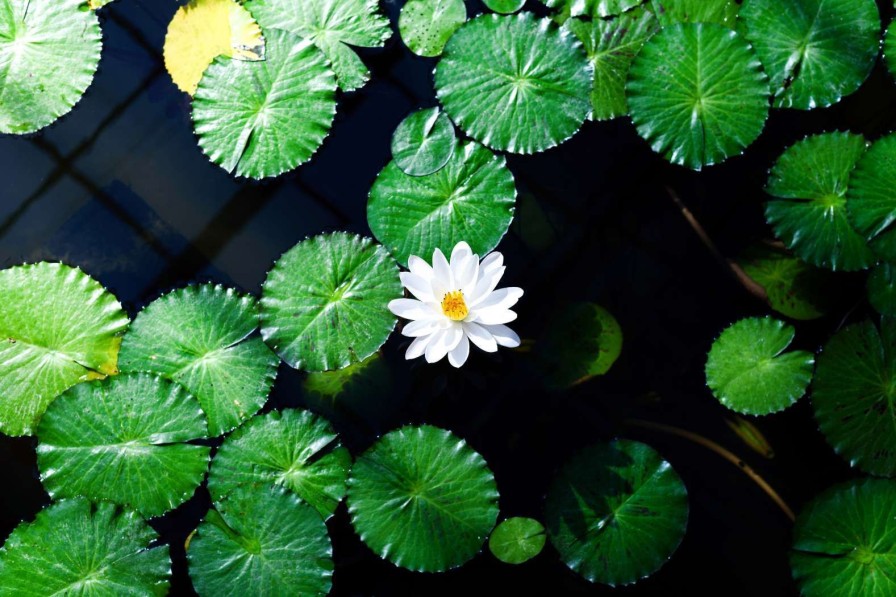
(454, 306)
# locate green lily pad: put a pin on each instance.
(889, 49)
(871, 203)
(814, 51)
(720, 12)
(423, 142)
(853, 395)
(596, 9)
(261, 119)
(440, 495)
(844, 542)
(427, 25)
(616, 512)
(749, 372)
(471, 199)
(612, 46)
(333, 26)
(294, 449)
(58, 327)
(505, 7)
(200, 337)
(810, 180)
(74, 547)
(49, 52)
(324, 304)
(124, 440)
(882, 289)
(517, 540)
(261, 542)
(697, 94)
(515, 83)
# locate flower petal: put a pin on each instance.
(503, 335)
(422, 327)
(461, 252)
(504, 298)
(488, 280)
(412, 309)
(494, 316)
(442, 281)
(491, 262)
(419, 267)
(418, 286)
(458, 356)
(464, 268)
(480, 336)
(417, 347)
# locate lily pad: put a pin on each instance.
(882, 289)
(440, 495)
(204, 29)
(324, 304)
(814, 51)
(261, 543)
(889, 49)
(49, 52)
(612, 46)
(471, 199)
(616, 512)
(58, 327)
(124, 440)
(720, 12)
(697, 94)
(810, 180)
(871, 202)
(333, 26)
(853, 395)
(505, 7)
(74, 547)
(260, 119)
(515, 83)
(427, 25)
(293, 449)
(749, 372)
(423, 142)
(596, 9)
(517, 540)
(844, 542)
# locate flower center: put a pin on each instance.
(454, 306)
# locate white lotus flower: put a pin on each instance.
(456, 303)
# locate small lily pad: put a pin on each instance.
(871, 202)
(517, 540)
(882, 289)
(423, 142)
(505, 7)
(427, 25)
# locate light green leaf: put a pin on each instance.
(505, 6)
(814, 51)
(471, 199)
(515, 83)
(810, 179)
(882, 289)
(440, 495)
(58, 327)
(49, 52)
(871, 202)
(592, 8)
(324, 304)
(423, 142)
(517, 540)
(199, 336)
(697, 94)
(294, 449)
(261, 543)
(261, 119)
(749, 372)
(332, 25)
(74, 547)
(616, 512)
(124, 440)
(844, 542)
(427, 25)
(720, 12)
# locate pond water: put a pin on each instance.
(120, 188)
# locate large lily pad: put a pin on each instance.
(58, 327)
(720, 12)
(423, 142)
(427, 25)
(871, 202)
(882, 289)
(124, 440)
(515, 83)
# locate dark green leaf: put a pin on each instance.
(871, 202)
(882, 289)
(720, 12)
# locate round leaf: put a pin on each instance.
(871, 202)
(814, 51)
(294, 449)
(697, 94)
(890, 49)
(810, 179)
(882, 288)
(596, 9)
(261, 543)
(423, 142)
(844, 542)
(49, 52)
(749, 372)
(505, 6)
(616, 512)
(515, 83)
(74, 547)
(853, 395)
(261, 119)
(124, 440)
(58, 327)
(471, 199)
(427, 25)
(440, 495)
(324, 304)
(517, 540)
(720, 12)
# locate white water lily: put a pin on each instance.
(456, 303)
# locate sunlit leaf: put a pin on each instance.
(423, 142)
(720, 12)
(882, 289)
(426, 25)
(871, 202)
(517, 540)
(592, 8)
(505, 6)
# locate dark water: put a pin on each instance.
(120, 188)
